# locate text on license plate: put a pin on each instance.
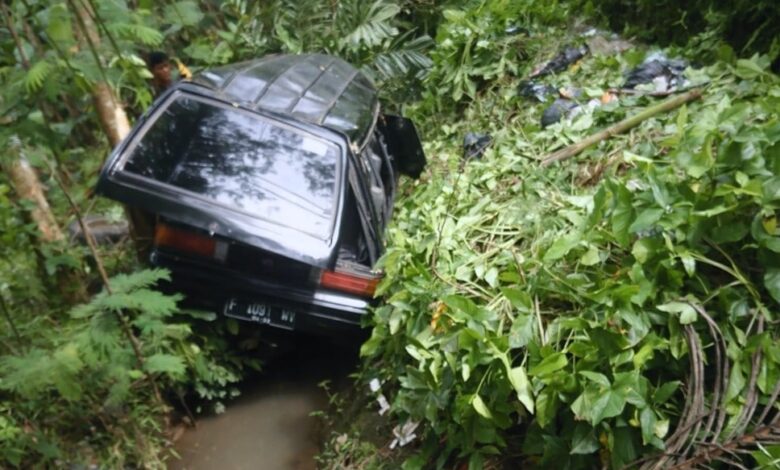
(260, 313)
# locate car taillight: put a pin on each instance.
(352, 283)
(189, 242)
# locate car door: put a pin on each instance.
(403, 144)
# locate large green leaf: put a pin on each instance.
(552, 363)
(562, 246)
(480, 407)
(687, 312)
(519, 380)
(772, 282)
(522, 331)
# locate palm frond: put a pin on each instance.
(408, 59)
(368, 24)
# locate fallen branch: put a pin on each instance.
(621, 127)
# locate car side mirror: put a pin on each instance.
(403, 144)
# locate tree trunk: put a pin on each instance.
(110, 111)
(112, 117)
(28, 187)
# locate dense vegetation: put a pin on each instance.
(548, 316)
(739, 27)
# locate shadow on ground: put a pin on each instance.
(269, 426)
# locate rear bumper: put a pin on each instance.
(211, 287)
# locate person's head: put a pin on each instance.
(160, 66)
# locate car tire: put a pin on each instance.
(105, 231)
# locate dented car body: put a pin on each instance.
(265, 188)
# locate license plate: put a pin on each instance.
(262, 313)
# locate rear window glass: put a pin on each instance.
(242, 161)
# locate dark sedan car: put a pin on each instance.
(265, 188)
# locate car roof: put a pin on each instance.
(316, 88)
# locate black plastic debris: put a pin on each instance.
(474, 145)
(568, 56)
(556, 111)
(535, 90)
(666, 74)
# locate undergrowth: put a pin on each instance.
(600, 312)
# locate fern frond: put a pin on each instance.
(102, 335)
(39, 371)
(36, 76)
(143, 300)
(124, 283)
(165, 364)
(136, 33)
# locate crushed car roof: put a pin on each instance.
(315, 88)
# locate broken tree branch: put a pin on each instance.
(621, 127)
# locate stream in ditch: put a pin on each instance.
(269, 426)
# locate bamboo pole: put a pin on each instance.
(621, 127)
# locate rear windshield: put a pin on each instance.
(242, 161)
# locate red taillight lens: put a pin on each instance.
(184, 240)
(350, 283)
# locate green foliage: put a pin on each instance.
(89, 370)
(368, 34)
(473, 47)
(527, 310)
(88, 376)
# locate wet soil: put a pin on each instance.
(269, 426)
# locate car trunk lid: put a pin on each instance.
(273, 185)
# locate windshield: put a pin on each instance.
(242, 161)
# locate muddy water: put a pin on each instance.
(269, 426)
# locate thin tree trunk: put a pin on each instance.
(110, 111)
(28, 187)
(12, 29)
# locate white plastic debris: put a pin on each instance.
(384, 406)
(374, 385)
(404, 434)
